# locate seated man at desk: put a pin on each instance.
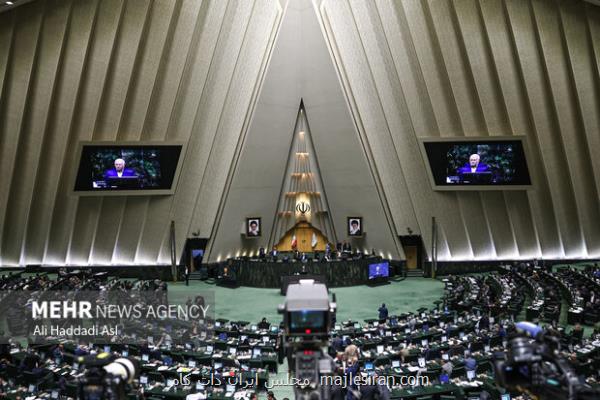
(263, 324)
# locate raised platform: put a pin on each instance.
(269, 274)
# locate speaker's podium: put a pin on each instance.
(478, 178)
(123, 182)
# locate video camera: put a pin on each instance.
(307, 316)
(532, 365)
(106, 377)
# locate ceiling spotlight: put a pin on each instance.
(9, 3)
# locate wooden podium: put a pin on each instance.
(304, 234)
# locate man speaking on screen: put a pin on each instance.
(119, 170)
(474, 166)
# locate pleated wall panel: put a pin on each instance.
(73, 70)
(477, 68)
(190, 70)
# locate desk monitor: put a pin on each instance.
(218, 365)
(230, 388)
(232, 351)
(145, 357)
(471, 375)
(199, 386)
(256, 352)
(380, 348)
(143, 379)
(209, 349)
(505, 396)
(128, 168)
(395, 363)
(368, 366)
(476, 163)
(445, 356)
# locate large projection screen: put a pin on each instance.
(476, 163)
(128, 168)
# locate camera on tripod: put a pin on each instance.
(532, 364)
(308, 315)
(106, 377)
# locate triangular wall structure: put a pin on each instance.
(303, 198)
(301, 69)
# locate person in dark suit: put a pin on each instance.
(263, 325)
(119, 170)
(475, 166)
(383, 312)
(30, 362)
(273, 254)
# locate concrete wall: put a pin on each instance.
(302, 68)
(474, 68)
(192, 70)
(73, 70)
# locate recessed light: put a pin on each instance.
(9, 3)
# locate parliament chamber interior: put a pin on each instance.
(300, 199)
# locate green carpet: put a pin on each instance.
(357, 302)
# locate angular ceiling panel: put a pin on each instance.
(301, 68)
